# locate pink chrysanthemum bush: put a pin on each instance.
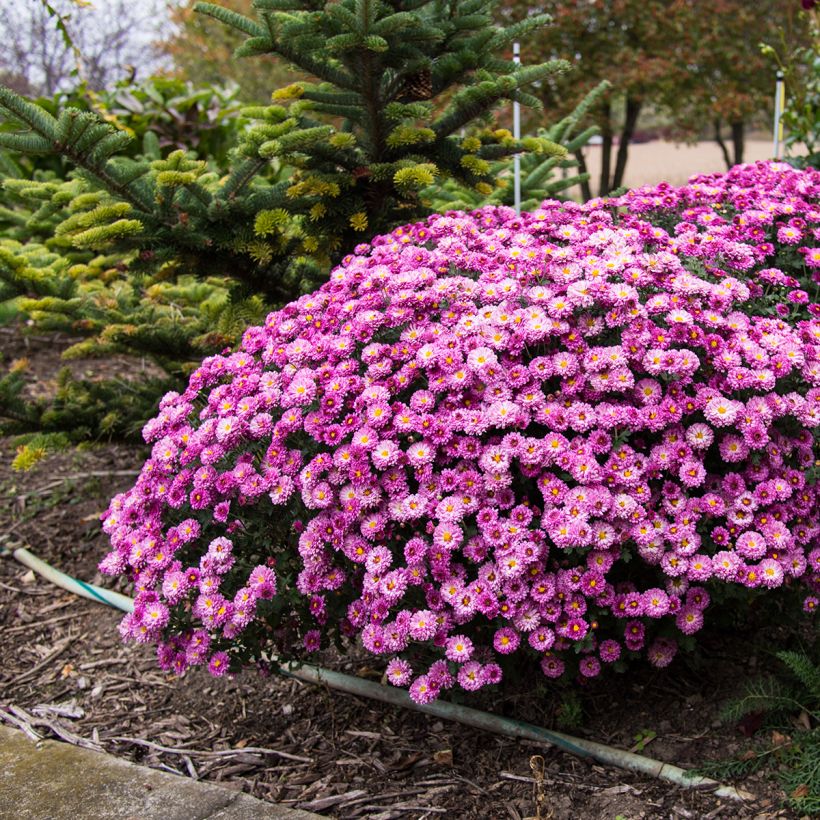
(557, 435)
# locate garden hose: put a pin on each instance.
(485, 721)
(90, 591)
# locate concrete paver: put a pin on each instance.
(56, 781)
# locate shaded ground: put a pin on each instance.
(65, 673)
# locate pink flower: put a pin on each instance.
(219, 664)
(590, 667)
(506, 640)
(721, 412)
(459, 648)
(470, 676)
(421, 690)
(422, 625)
(399, 672)
(565, 436)
(552, 666)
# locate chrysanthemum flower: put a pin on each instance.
(578, 434)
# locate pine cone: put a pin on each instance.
(417, 86)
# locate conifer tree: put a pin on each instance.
(401, 99)
(538, 178)
(331, 162)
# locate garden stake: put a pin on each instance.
(517, 135)
(779, 105)
(447, 711)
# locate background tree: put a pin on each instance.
(722, 78)
(701, 68)
(51, 46)
(623, 41)
(799, 60)
(201, 50)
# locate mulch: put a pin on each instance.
(66, 674)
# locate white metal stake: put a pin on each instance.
(779, 105)
(517, 135)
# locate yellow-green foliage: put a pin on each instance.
(416, 176)
(271, 221)
(177, 170)
(100, 235)
(27, 456)
(403, 135)
(475, 164)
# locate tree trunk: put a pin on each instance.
(633, 110)
(723, 149)
(606, 149)
(738, 141)
(586, 191)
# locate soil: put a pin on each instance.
(65, 673)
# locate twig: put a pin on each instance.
(20, 724)
(104, 662)
(13, 630)
(55, 653)
(346, 799)
(152, 682)
(383, 796)
(574, 784)
(191, 768)
(538, 768)
(67, 709)
(203, 753)
(75, 477)
(56, 728)
(519, 777)
(70, 601)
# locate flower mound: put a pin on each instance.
(487, 435)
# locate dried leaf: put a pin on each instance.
(405, 762)
(804, 721)
(444, 757)
(95, 516)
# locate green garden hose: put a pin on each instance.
(441, 709)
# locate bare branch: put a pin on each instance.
(114, 38)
